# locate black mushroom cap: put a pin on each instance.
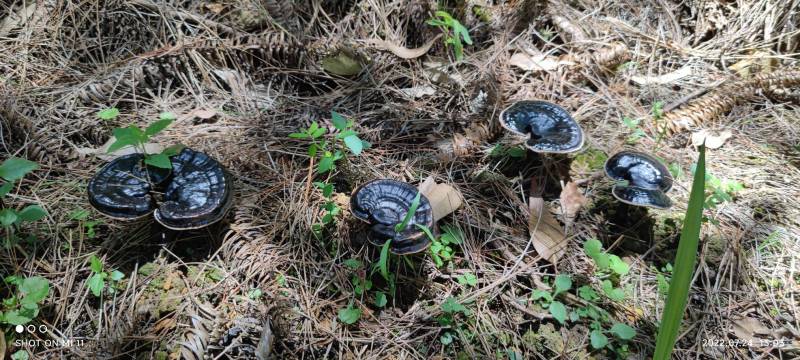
(384, 203)
(121, 189)
(550, 128)
(199, 193)
(647, 179)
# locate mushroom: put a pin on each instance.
(647, 179)
(199, 193)
(197, 190)
(550, 128)
(121, 189)
(383, 204)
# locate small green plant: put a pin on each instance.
(441, 247)
(101, 276)
(684, 265)
(23, 305)
(662, 278)
(82, 217)
(329, 151)
(468, 279)
(451, 308)
(349, 315)
(609, 266)
(454, 32)
(11, 170)
(138, 138)
(636, 131)
(557, 309)
(515, 152)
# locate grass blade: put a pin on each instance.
(684, 265)
(411, 211)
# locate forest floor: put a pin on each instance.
(241, 76)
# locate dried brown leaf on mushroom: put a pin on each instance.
(547, 236)
(572, 200)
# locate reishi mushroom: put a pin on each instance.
(549, 128)
(383, 204)
(647, 179)
(197, 190)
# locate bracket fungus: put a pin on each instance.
(549, 128)
(647, 179)
(197, 192)
(383, 204)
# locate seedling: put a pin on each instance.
(441, 250)
(636, 131)
(101, 276)
(11, 170)
(454, 32)
(608, 265)
(23, 304)
(138, 138)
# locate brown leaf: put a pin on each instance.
(444, 198)
(401, 51)
(546, 233)
(711, 141)
(537, 62)
(571, 202)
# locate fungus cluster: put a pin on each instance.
(197, 191)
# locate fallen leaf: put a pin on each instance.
(401, 51)
(537, 62)
(204, 114)
(264, 348)
(418, 91)
(747, 328)
(571, 203)
(663, 79)
(711, 141)
(547, 235)
(165, 324)
(216, 8)
(343, 63)
(444, 198)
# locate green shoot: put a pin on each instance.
(411, 211)
(138, 138)
(454, 32)
(97, 282)
(684, 265)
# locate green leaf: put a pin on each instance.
(593, 247)
(108, 114)
(617, 265)
(559, 311)
(32, 213)
(450, 305)
(354, 144)
(159, 125)
(16, 168)
(349, 315)
(79, 214)
(380, 299)
(587, 293)
(158, 160)
(613, 293)
(623, 331)
(95, 264)
(468, 279)
(451, 235)
(541, 294)
(6, 188)
(299, 135)
(119, 144)
(446, 338)
(598, 340)
(341, 64)
(563, 283)
(254, 294)
(383, 262)
(117, 275)
(684, 265)
(353, 264)
(21, 316)
(20, 355)
(411, 211)
(173, 150)
(462, 31)
(8, 217)
(326, 163)
(34, 289)
(96, 283)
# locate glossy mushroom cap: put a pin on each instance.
(551, 128)
(120, 189)
(199, 193)
(648, 179)
(383, 204)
